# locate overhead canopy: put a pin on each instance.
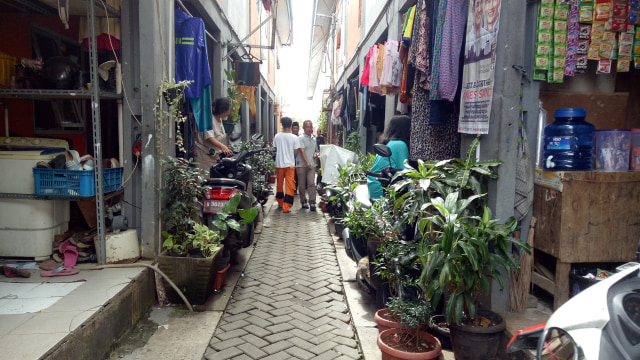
(283, 21)
(320, 31)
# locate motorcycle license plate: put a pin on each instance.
(213, 206)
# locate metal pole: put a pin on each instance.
(97, 135)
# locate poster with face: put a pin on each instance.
(479, 66)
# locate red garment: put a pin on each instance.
(364, 80)
(103, 43)
(267, 5)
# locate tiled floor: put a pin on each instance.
(53, 307)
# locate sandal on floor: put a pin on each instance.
(11, 272)
(70, 254)
(61, 271)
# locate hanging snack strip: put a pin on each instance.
(573, 38)
(544, 41)
(560, 30)
(570, 32)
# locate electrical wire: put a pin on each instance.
(132, 171)
(124, 89)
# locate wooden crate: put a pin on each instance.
(596, 218)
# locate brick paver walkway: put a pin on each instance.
(290, 303)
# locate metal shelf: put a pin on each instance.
(46, 94)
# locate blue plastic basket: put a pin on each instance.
(74, 183)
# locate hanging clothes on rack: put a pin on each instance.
(249, 94)
(248, 73)
(350, 103)
(391, 68)
(364, 79)
(374, 78)
(449, 37)
(405, 46)
(428, 142)
(192, 64)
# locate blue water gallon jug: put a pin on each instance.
(568, 142)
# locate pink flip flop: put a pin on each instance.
(70, 253)
(61, 271)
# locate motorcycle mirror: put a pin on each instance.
(558, 344)
(382, 150)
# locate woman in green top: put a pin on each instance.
(396, 137)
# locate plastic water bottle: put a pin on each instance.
(568, 142)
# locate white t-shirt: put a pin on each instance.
(285, 144)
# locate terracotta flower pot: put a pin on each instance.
(390, 353)
(386, 322)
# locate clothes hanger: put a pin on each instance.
(249, 56)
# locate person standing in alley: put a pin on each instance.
(286, 145)
(295, 130)
(305, 166)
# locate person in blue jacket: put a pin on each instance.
(396, 137)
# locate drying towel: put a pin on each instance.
(201, 108)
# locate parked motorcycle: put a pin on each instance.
(601, 322)
(229, 177)
(364, 249)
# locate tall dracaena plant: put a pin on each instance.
(462, 253)
(464, 177)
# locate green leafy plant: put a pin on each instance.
(465, 177)
(397, 264)
(413, 315)
(462, 253)
(183, 186)
(233, 94)
(173, 94)
(353, 142)
(262, 163)
(224, 220)
(323, 121)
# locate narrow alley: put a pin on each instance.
(290, 302)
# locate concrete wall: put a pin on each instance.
(371, 12)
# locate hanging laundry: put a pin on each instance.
(392, 68)
(248, 73)
(249, 94)
(429, 142)
(192, 63)
(407, 28)
(422, 47)
(446, 54)
(374, 82)
(267, 5)
(364, 79)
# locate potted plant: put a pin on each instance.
(235, 97)
(191, 249)
(461, 254)
(461, 247)
(395, 267)
(408, 341)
